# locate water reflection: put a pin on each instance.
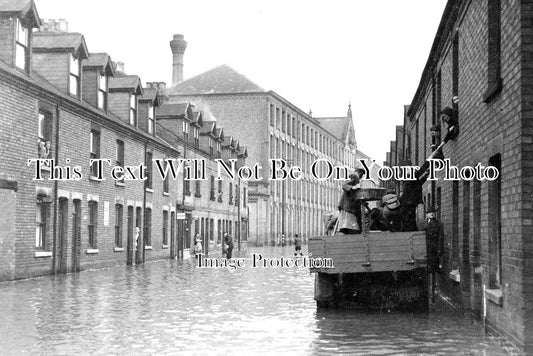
(174, 307)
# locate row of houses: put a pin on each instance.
(60, 102)
(480, 67)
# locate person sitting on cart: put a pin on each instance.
(349, 220)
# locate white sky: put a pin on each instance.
(316, 54)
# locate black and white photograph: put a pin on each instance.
(252, 177)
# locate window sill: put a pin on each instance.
(166, 194)
(492, 91)
(164, 247)
(120, 184)
(149, 190)
(495, 296)
(94, 179)
(118, 249)
(147, 247)
(91, 251)
(43, 254)
(198, 195)
(455, 276)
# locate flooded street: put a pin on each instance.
(173, 307)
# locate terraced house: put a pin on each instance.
(59, 101)
(483, 55)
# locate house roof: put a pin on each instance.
(208, 128)
(220, 80)
(100, 60)
(172, 109)
(26, 9)
(60, 42)
(150, 94)
(131, 82)
(337, 126)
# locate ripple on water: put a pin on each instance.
(172, 307)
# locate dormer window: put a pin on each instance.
(185, 130)
(133, 110)
(218, 149)
(74, 82)
(196, 134)
(22, 52)
(102, 91)
(210, 146)
(150, 119)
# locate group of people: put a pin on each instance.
(227, 245)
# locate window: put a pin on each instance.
(196, 133)
(22, 52)
(151, 119)
(93, 223)
(211, 146)
(149, 171)
(494, 82)
(237, 196)
(119, 160)
(165, 227)
(42, 214)
(244, 197)
(166, 180)
(185, 128)
(94, 151)
(102, 91)
(133, 110)
(148, 227)
(118, 225)
(198, 191)
(186, 186)
(230, 194)
(212, 195)
(218, 149)
(271, 115)
(44, 132)
(220, 191)
(74, 82)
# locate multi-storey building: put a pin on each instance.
(483, 55)
(60, 102)
(274, 128)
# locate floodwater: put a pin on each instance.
(172, 307)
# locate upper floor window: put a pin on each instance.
(149, 170)
(185, 129)
(210, 146)
(22, 51)
(94, 150)
(212, 195)
(220, 191)
(74, 82)
(133, 110)
(494, 49)
(166, 181)
(119, 162)
(44, 132)
(218, 149)
(102, 91)
(151, 119)
(196, 134)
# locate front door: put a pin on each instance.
(62, 236)
(130, 228)
(76, 236)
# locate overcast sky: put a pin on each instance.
(317, 54)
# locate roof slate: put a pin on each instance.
(59, 40)
(338, 126)
(220, 80)
(172, 109)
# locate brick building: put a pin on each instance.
(272, 127)
(59, 101)
(482, 54)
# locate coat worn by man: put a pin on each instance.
(411, 197)
(228, 241)
(434, 243)
(349, 221)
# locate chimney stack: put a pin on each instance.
(178, 46)
(54, 25)
(119, 67)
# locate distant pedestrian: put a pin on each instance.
(283, 240)
(297, 245)
(228, 244)
(197, 246)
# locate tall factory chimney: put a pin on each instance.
(178, 46)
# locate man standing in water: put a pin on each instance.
(228, 242)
